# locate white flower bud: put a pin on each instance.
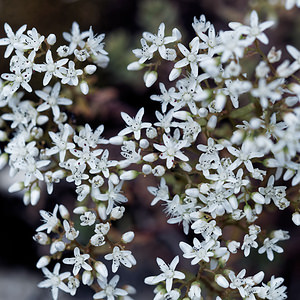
(146, 169)
(185, 167)
(116, 140)
(176, 33)
(221, 281)
(35, 195)
(127, 237)
(101, 268)
(87, 278)
(129, 175)
(57, 246)
(117, 212)
(41, 120)
(63, 211)
(80, 210)
(258, 208)
(3, 136)
(258, 198)
(3, 160)
(192, 192)
(202, 112)
(255, 123)
(181, 115)
(51, 39)
(135, 66)
(102, 211)
(237, 137)
(212, 122)
(114, 178)
(84, 87)
(43, 261)
(296, 218)
(233, 202)
(257, 278)
(151, 133)
(220, 102)
(150, 77)
(159, 171)
(144, 144)
(195, 290)
(175, 73)
(16, 187)
(151, 157)
(26, 198)
(90, 69)
(41, 238)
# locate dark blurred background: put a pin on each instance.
(116, 90)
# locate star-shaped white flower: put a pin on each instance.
(168, 274)
(78, 261)
(55, 281)
(134, 124)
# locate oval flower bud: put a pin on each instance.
(43, 262)
(150, 77)
(87, 278)
(101, 268)
(63, 211)
(296, 218)
(51, 39)
(146, 169)
(135, 66)
(221, 281)
(127, 237)
(35, 195)
(129, 175)
(90, 69)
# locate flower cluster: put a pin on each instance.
(225, 140)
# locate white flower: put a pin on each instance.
(200, 250)
(70, 232)
(249, 242)
(165, 98)
(18, 79)
(88, 219)
(255, 30)
(50, 220)
(171, 149)
(13, 41)
(120, 256)
(134, 124)
(75, 38)
(70, 74)
(55, 281)
(109, 290)
(168, 274)
(270, 246)
(160, 193)
(50, 68)
(73, 284)
(78, 261)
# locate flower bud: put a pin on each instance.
(87, 278)
(90, 69)
(101, 268)
(233, 246)
(116, 140)
(35, 195)
(51, 39)
(257, 278)
(296, 218)
(181, 115)
(63, 211)
(135, 66)
(3, 160)
(80, 210)
(258, 198)
(233, 202)
(3, 136)
(175, 73)
(202, 112)
(102, 211)
(146, 169)
(151, 133)
(195, 290)
(220, 102)
(129, 175)
(84, 87)
(127, 237)
(43, 261)
(144, 144)
(221, 281)
(185, 166)
(212, 122)
(151, 157)
(16, 187)
(26, 198)
(150, 77)
(117, 212)
(176, 33)
(114, 178)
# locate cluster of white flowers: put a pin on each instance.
(226, 158)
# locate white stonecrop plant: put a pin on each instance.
(224, 134)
